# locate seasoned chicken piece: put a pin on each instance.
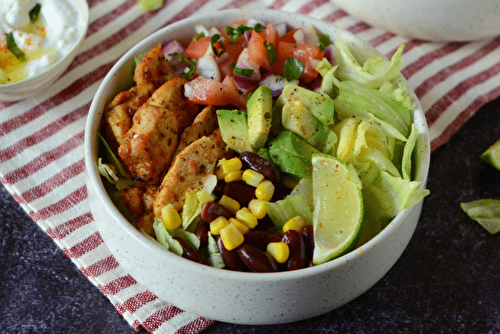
(150, 73)
(149, 146)
(140, 200)
(171, 96)
(204, 124)
(190, 170)
(153, 70)
(117, 119)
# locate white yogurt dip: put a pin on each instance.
(43, 41)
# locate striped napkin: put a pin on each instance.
(42, 154)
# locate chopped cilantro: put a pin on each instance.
(324, 41)
(271, 52)
(293, 69)
(191, 62)
(214, 39)
(198, 36)
(235, 33)
(35, 12)
(244, 72)
(12, 47)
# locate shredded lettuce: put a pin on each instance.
(283, 210)
(373, 73)
(214, 255)
(485, 211)
(165, 239)
(192, 206)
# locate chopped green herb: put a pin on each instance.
(214, 39)
(324, 41)
(293, 69)
(271, 52)
(244, 72)
(235, 33)
(191, 62)
(35, 12)
(12, 47)
(198, 36)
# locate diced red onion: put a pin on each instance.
(275, 83)
(282, 28)
(245, 63)
(206, 66)
(244, 84)
(329, 54)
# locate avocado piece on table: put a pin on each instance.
(259, 109)
(320, 105)
(233, 126)
(292, 154)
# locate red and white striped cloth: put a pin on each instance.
(42, 154)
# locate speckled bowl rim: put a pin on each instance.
(175, 260)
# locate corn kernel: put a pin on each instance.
(295, 223)
(279, 251)
(233, 176)
(219, 173)
(170, 217)
(252, 177)
(257, 208)
(229, 203)
(230, 165)
(265, 190)
(231, 237)
(239, 225)
(246, 217)
(218, 224)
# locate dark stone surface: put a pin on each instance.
(446, 281)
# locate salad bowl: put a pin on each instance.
(231, 296)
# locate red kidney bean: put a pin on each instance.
(212, 210)
(260, 239)
(201, 233)
(190, 253)
(307, 233)
(230, 257)
(297, 246)
(256, 260)
(261, 165)
(240, 192)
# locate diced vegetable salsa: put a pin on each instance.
(232, 150)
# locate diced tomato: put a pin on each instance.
(257, 51)
(288, 37)
(303, 52)
(197, 48)
(234, 50)
(208, 91)
(270, 34)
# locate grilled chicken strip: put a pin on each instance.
(149, 146)
(190, 170)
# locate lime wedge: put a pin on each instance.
(338, 208)
(492, 155)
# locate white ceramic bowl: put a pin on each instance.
(241, 297)
(31, 86)
(433, 20)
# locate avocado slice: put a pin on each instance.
(297, 118)
(320, 105)
(234, 129)
(292, 155)
(260, 111)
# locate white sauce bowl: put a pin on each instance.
(242, 297)
(30, 86)
(433, 20)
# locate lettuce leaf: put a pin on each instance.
(214, 256)
(373, 73)
(484, 211)
(165, 239)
